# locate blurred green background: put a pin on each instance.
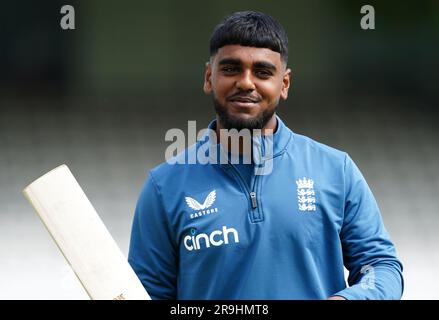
(146, 48)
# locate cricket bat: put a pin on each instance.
(82, 237)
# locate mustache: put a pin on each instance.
(247, 96)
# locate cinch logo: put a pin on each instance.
(203, 209)
(216, 238)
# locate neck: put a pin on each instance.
(226, 140)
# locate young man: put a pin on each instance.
(225, 231)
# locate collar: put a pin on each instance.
(265, 147)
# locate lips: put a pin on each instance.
(244, 104)
(244, 99)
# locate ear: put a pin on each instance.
(285, 84)
(207, 78)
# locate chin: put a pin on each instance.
(244, 120)
(243, 116)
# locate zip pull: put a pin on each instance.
(253, 198)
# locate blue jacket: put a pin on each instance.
(200, 231)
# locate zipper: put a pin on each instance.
(253, 198)
(250, 192)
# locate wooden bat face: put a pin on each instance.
(82, 237)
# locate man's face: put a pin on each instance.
(246, 83)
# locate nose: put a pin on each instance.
(245, 81)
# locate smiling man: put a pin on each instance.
(225, 231)
(246, 83)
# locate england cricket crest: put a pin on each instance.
(306, 199)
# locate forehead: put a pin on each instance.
(247, 55)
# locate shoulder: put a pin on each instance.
(309, 147)
(179, 170)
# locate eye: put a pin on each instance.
(263, 73)
(230, 69)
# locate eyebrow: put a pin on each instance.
(231, 61)
(258, 64)
(265, 65)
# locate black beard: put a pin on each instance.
(229, 122)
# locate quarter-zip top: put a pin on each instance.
(201, 231)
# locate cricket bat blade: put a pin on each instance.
(82, 237)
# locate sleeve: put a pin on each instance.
(152, 251)
(368, 253)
